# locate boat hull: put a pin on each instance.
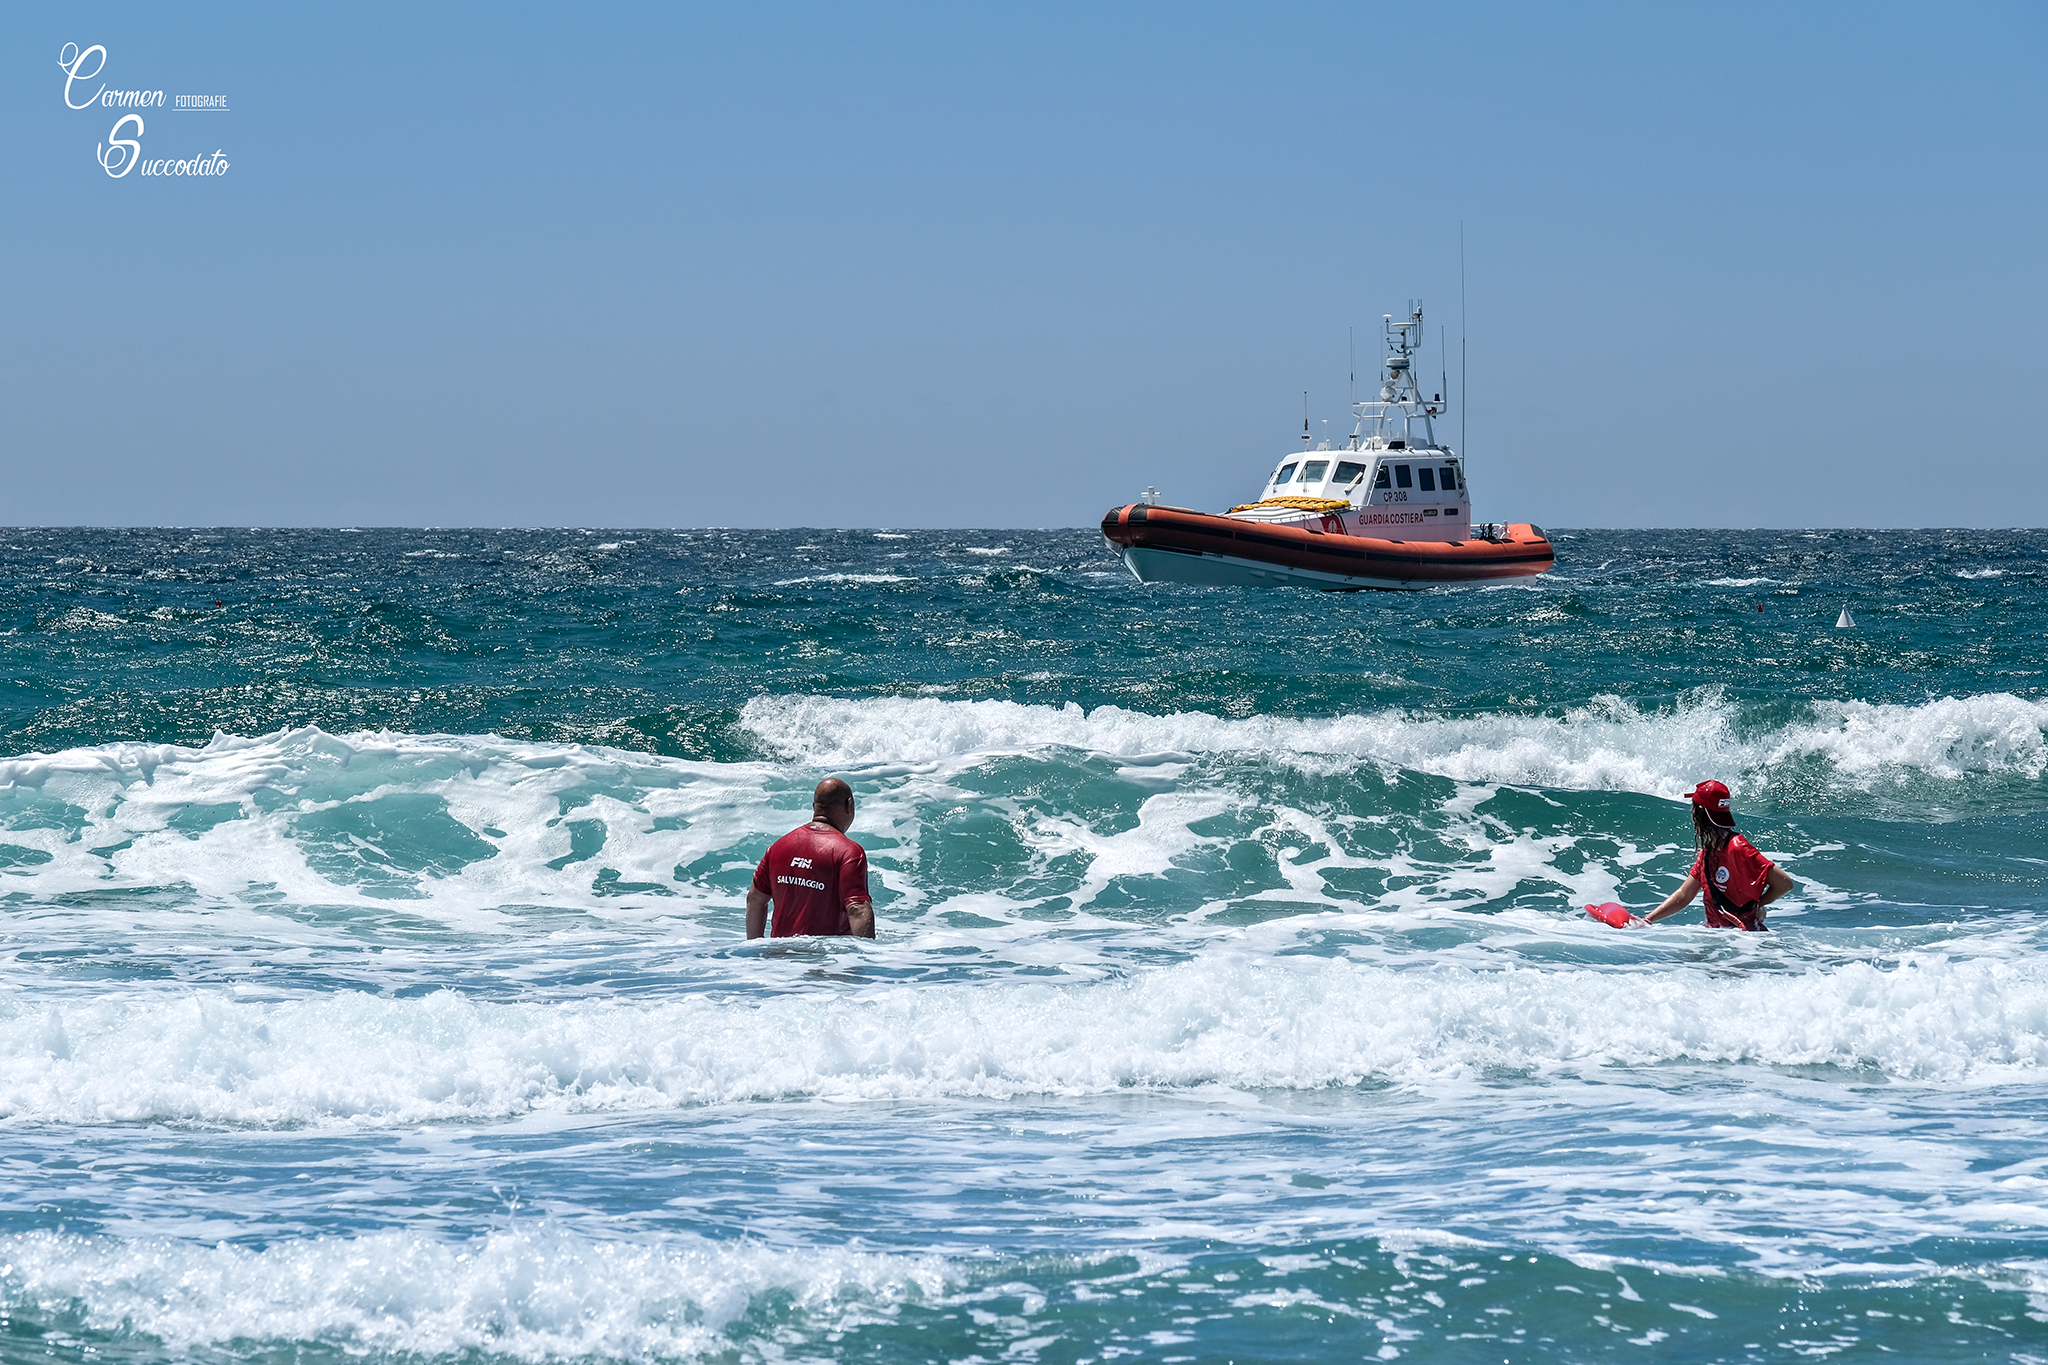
(1175, 545)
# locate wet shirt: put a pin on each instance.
(812, 874)
(1740, 872)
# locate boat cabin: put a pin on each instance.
(1402, 484)
(1397, 476)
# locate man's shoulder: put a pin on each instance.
(792, 842)
(814, 842)
(839, 843)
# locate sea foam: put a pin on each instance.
(1222, 1019)
(537, 1293)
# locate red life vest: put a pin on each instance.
(1742, 870)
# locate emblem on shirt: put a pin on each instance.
(1720, 874)
(799, 862)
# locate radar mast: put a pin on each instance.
(1401, 417)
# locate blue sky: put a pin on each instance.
(766, 265)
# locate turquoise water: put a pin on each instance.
(374, 985)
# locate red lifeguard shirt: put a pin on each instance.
(812, 874)
(1740, 872)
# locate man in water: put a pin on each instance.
(814, 876)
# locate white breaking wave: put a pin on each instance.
(463, 826)
(845, 578)
(359, 1060)
(85, 618)
(467, 830)
(1611, 744)
(470, 823)
(538, 1294)
(1948, 738)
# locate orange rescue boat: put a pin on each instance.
(1389, 510)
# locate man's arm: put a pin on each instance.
(1676, 901)
(757, 912)
(860, 918)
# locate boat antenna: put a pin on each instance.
(1461, 345)
(1304, 417)
(1352, 333)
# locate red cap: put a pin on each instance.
(1712, 797)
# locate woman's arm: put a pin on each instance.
(1676, 901)
(1776, 884)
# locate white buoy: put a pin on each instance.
(1845, 620)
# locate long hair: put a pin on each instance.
(1706, 834)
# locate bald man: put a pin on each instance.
(814, 876)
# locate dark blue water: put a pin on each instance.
(374, 983)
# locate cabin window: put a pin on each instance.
(1286, 473)
(1428, 477)
(1348, 471)
(1313, 471)
(1380, 480)
(1401, 479)
(1450, 478)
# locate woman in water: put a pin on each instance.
(1739, 881)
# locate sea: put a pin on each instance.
(374, 988)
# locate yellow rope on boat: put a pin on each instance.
(1297, 504)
